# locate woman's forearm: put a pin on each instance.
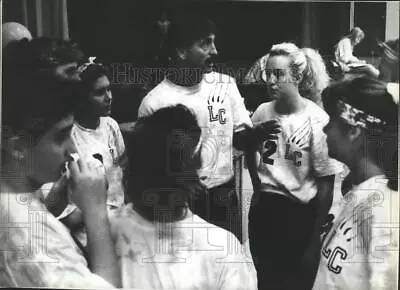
(102, 255)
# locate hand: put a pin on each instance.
(127, 127)
(88, 186)
(266, 131)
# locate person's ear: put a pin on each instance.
(354, 134)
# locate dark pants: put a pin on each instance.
(279, 232)
(220, 206)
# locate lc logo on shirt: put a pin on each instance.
(216, 111)
(299, 140)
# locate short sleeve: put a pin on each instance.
(45, 257)
(261, 114)
(322, 164)
(118, 139)
(145, 107)
(241, 117)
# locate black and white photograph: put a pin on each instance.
(199, 144)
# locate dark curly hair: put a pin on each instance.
(34, 96)
(163, 163)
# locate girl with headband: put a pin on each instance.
(360, 245)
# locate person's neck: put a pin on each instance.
(87, 120)
(185, 77)
(291, 105)
(363, 170)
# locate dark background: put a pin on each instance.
(124, 32)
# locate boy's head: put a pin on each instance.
(36, 118)
(164, 156)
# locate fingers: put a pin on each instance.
(272, 137)
(60, 184)
(270, 127)
(83, 166)
(73, 168)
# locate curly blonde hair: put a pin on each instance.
(315, 76)
(308, 66)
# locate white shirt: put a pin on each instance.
(344, 53)
(361, 249)
(289, 166)
(106, 140)
(36, 250)
(220, 111)
(188, 254)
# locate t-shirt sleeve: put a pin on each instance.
(322, 164)
(118, 139)
(256, 117)
(46, 258)
(145, 108)
(241, 117)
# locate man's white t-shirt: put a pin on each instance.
(187, 254)
(36, 250)
(289, 166)
(220, 111)
(360, 250)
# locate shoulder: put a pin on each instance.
(263, 111)
(157, 91)
(376, 193)
(345, 41)
(316, 114)
(109, 121)
(153, 100)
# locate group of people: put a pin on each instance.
(81, 209)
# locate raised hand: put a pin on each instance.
(266, 131)
(249, 138)
(88, 185)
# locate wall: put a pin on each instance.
(392, 20)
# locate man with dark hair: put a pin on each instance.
(219, 108)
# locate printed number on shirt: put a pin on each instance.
(271, 149)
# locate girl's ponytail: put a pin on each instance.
(314, 77)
